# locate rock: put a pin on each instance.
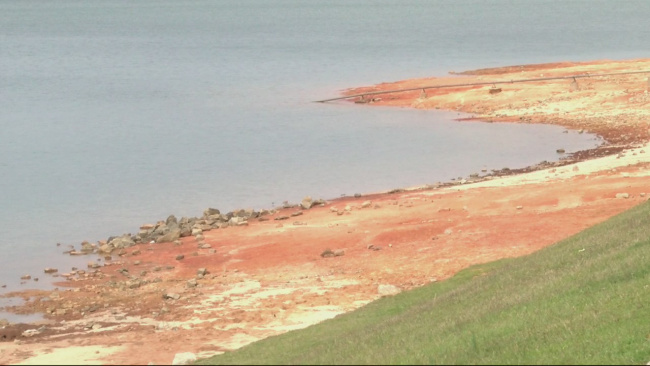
(201, 271)
(622, 195)
(520, 207)
(282, 217)
(374, 247)
(87, 247)
(306, 203)
(192, 283)
(327, 253)
(171, 220)
(211, 211)
(171, 295)
(388, 290)
(179, 257)
(205, 246)
(184, 358)
(50, 270)
(30, 333)
(339, 252)
(235, 220)
(106, 248)
(297, 213)
(560, 151)
(173, 234)
(121, 242)
(366, 204)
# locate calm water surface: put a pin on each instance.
(118, 113)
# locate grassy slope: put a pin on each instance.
(584, 300)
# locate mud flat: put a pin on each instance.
(226, 286)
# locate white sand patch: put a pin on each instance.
(631, 157)
(85, 355)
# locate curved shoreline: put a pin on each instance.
(613, 107)
(221, 289)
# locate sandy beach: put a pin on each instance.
(240, 284)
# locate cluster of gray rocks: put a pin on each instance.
(173, 229)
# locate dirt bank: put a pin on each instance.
(269, 276)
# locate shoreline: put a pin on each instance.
(271, 274)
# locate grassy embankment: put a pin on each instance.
(584, 300)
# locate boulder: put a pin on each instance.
(122, 242)
(210, 212)
(172, 235)
(306, 203)
(171, 221)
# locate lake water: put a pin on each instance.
(119, 113)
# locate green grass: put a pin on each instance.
(584, 300)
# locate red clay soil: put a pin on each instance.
(269, 277)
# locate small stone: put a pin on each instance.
(179, 257)
(172, 296)
(50, 270)
(560, 151)
(327, 253)
(520, 207)
(30, 333)
(26, 277)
